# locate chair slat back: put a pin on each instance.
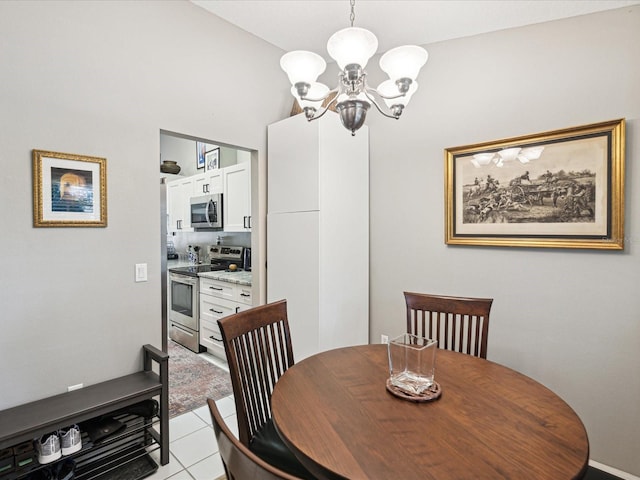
(239, 462)
(460, 324)
(257, 343)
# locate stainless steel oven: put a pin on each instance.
(184, 293)
(184, 314)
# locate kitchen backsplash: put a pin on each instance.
(181, 241)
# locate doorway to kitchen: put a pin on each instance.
(210, 183)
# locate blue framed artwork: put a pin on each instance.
(201, 150)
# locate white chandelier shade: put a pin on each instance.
(302, 66)
(315, 96)
(509, 154)
(403, 62)
(523, 155)
(484, 158)
(388, 88)
(351, 46)
(531, 153)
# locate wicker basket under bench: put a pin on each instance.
(24, 423)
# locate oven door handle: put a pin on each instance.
(211, 213)
(183, 279)
(178, 327)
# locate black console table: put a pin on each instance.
(27, 422)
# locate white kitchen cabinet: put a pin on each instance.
(211, 338)
(217, 300)
(208, 183)
(178, 194)
(233, 181)
(237, 197)
(244, 295)
(217, 288)
(318, 231)
(211, 310)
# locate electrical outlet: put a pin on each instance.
(71, 388)
(384, 339)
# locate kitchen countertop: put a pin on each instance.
(173, 263)
(239, 277)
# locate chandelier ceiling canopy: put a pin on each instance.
(352, 48)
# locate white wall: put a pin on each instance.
(103, 78)
(568, 318)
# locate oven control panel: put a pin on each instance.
(225, 252)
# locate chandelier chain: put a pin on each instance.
(352, 17)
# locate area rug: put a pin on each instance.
(192, 380)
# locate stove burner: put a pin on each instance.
(194, 270)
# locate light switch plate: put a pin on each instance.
(141, 272)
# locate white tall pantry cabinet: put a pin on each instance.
(318, 231)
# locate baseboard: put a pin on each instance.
(613, 471)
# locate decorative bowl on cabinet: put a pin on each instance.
(169, 166)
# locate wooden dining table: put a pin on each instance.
(334, 412)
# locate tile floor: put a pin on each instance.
(192, 445)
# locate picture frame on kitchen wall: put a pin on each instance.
(69, 190)
(559, 189)
(212, 159)
(201, 149)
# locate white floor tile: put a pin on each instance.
(232, 423)
(166, 471)
(203, 414)
(208, 469)
(226, 406)
(183, 475)
(195, 447)
(184, 425)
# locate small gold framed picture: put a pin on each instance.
(69, 190)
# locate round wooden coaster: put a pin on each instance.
(432, 393)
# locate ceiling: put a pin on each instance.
(308, 24)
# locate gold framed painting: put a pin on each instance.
(558, 189)
(69, 190)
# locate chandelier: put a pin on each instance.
(352, 48)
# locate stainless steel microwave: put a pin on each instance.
(206, 212)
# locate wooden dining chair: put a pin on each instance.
(257, 343)
(239, 462)
(457, 323)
